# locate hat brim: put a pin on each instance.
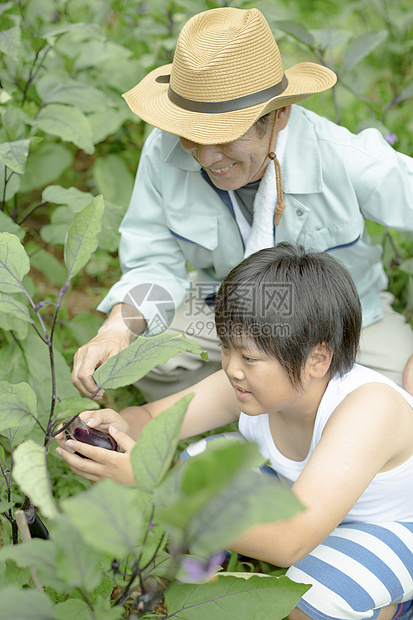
(149, 100)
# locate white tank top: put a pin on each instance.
(389, 496)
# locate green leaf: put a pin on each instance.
(40, 554)
(53, 88)
(331, 38)
(73, 405)
(82, 239)
(113, 179)
(7, 225)
(10, 41)
(407, 266)
(68, 123)
(107, 517)
(17, 405)
(4, 96)
(141, 356)
(298, 31)
(250, 499)
(25, 604)
(14, 154)
(406, 94)
(252, 596)
(14, 316)
(152, 455)
(45, 165)
(95, 53)
(189, 488)
(56, 231)
(12, 364)
(79, 609)
(72, 608)
(4, 506)
(47, 263)
(14, 264)
(106, 122)
(30, 473)
(72, 197)
(85, 30)
(361, 47)
(77, 564)
(112, 217)
(73, 201)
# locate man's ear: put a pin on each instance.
(283, 116)
(319, 361)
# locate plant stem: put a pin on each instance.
(33, 72)
(43, 202)
(25, 536)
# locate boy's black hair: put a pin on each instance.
(288, 300)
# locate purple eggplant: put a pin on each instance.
(81, 432)
(36, 526)
(94, 437)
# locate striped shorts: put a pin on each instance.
(358, 569)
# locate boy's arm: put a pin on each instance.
(213, 404)
(369, 432)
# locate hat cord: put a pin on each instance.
(280, 206)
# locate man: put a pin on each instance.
(235, 166)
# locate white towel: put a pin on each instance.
(262, 229)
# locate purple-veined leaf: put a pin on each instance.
(82, 239)
(31, 474)
(141, 356)
(14, 264)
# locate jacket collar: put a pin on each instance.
(175, 156)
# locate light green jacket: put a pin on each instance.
(333, 180)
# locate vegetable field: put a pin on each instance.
(69, 149)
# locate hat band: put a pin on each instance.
(230, 105)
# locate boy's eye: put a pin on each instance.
(249, 359)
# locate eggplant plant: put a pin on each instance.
(160, 535)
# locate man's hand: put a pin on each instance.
(114, 336)
(408, 376)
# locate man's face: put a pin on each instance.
(234, 164)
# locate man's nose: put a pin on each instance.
(208, 154)
(205, 154)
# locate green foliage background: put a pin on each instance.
(69, 149)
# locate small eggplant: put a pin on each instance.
(36, 526)
(81, 432)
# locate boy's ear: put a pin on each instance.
(319, 360)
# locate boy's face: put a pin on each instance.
(260, 383)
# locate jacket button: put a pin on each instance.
(300, 212)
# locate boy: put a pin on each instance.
(340, 434)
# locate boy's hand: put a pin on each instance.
(99, 462)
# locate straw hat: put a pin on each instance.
(226, 73)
